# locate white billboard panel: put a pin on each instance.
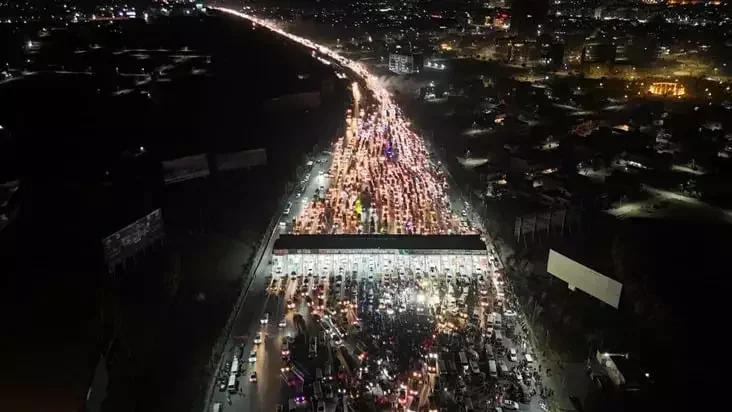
(585, 279)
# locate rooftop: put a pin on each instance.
(401, 242)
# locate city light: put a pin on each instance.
(386, 166)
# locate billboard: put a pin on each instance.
(185, 168)
(585, 279)
(134, 237)
(241, 160)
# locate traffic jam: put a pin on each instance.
(401, 338)
(415, 339)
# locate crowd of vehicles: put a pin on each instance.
(347, 331)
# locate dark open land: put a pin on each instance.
(75, 140)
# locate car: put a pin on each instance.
(510, 405)
(328, 392)
(265, 319)
(290, 304)
(321, 406)
(258, 338)
(283, 323)
(287, 208)
(285, 349)
(512, 355)
(253, 377)
(253, 356)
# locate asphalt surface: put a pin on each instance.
(270, 390)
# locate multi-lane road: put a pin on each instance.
(426, 206)
(269, 389)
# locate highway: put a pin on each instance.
(383, 176)
(411, 194)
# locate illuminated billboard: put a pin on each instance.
(128, 241)
(585, 279)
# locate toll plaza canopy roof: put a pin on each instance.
(365, 242)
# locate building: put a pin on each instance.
(667, 89)
(528, 15)
(405, 63)
(603, 53)
(551, 54)
(529, 52)
(515, 51)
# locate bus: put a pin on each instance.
(235, 366)
(492, 368)
(463, 360)
(317, 391)
(233, 385)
